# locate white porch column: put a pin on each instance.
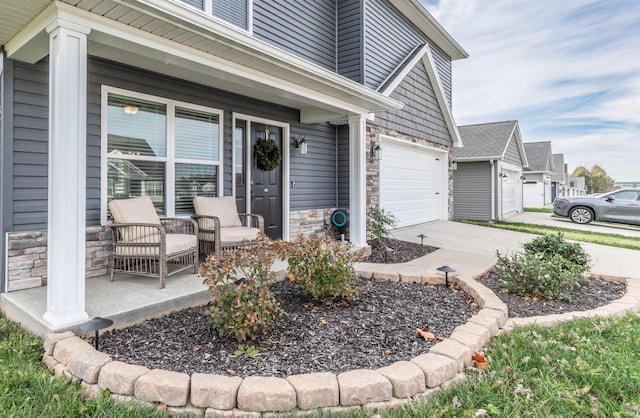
(357, 181)
(67, 173)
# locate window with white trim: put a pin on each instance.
(236, 12)
(164, 149)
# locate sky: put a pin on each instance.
(567, 70)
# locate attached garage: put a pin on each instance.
(413, 182)
(510, 189)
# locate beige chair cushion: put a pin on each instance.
(223, 207)
(134, 210)
(232, 234)
(176, 243)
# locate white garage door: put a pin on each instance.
(511, 192)
(412, 182)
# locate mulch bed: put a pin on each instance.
(375, 330)
(403, 251)
(590, 294)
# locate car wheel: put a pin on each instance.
(581, 215)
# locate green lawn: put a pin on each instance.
(613, 240)
(579, 369)
(540, 210)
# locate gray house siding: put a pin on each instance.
(343, 166)
(30, 146)
(513, 156)
(315, 173)
(6, 162)
(306, 29)
(443, 65)
(389, 38)
(472, 191)
(350, 35)
(421, 116)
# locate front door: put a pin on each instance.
(266, 185)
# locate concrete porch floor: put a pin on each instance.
(126, 300)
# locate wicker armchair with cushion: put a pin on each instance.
(147, 245)
(221, 227)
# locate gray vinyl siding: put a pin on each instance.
(343, 166)
(513, 156)
(350, 35)
(304, 28)
(421, 116)
(6, 153)
(232, 11)
(389, 38)
(443, 65)
(30, 146)
(472, 191)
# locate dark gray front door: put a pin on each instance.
(266, 186)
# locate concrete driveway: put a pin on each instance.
(539, 218)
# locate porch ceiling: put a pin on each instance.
(170, 38)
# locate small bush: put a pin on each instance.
(535, 275)
(323, 268)
(551, 245)
(243, 305)
(379, 223)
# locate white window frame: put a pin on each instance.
(170, 160)
(208, 11)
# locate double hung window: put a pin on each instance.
(167, 150)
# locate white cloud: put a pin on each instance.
(567, 70)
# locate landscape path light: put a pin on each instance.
(422, 237)
(386, 252)
(96, 324)
(446, 270)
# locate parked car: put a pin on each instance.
(621, 206)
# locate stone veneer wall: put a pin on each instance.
(309, 222)
(27, 257)
(373, 164)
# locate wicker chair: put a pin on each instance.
(221, 227)
(146, 245)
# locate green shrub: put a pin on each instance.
(550, 245)
(539, 275)
(323, 268)
(379, 223)
(243, 305)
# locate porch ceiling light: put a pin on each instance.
(96, 324)
(131, 110)
(446, 270)
(422, 237)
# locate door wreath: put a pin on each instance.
(267, 154)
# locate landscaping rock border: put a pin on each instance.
(389, 387)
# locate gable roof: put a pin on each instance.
(539, 156)
(558, 168)
(488, 141)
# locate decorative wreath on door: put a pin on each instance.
(267, 154)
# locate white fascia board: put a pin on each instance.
(408, 67)
(418, 15)
(518, 136)
(190, 19)
(432, 72)
(476, 159)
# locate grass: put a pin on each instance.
(588, 367)
(612, 240)
(540, 210)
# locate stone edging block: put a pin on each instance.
(315, 390)
(171, 388)
(407, 379)
(358, 387)
(266, 394)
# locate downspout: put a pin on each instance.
(493, 191)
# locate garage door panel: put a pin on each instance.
(411, 179)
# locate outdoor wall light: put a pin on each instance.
(301, 144)
(96, 324)
(375, 150)
(386, 252)
(446, 270)
(422, 237)
(503, 176)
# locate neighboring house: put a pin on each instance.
(487, 175)
(577, 186)
(537, 177)
(559, 178)
(105, 98)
